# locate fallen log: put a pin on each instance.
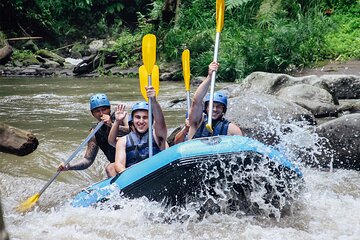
(16, 141)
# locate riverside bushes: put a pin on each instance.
(258, 35)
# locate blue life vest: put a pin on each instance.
(220, 128)
(137, 148)
(102, 141)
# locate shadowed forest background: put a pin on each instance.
(258, 35)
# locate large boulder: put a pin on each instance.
(344, 86)
(343, 142)
(315, 99)
(261, 115)
(16, 141)
(271, 83)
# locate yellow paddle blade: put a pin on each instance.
(220, 12)
(143, 76)
(28, 203)
(149, 51)
(186, 68)
(155, 79)
(209, 128)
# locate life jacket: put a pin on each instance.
(220, 128)
(102, 141)
(137, 148)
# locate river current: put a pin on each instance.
(56, 111)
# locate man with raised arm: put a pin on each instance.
(199, 111)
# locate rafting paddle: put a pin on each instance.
(185, 58)
(149, 58)
(32, 200)
(220, 11)
(143, 76)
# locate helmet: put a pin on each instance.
(218, 97)
(139, 106)
(99, 100)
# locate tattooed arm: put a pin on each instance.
(88, 159)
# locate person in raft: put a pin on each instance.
(134, 147)
(182, 135)
(100, 109)
(199, 111)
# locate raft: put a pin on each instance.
(230, 169)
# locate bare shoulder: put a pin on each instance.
(234, 130)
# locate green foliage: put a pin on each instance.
(23, 55)
(343, 43)
(258, 35)
(128, 49)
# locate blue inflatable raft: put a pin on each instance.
(230, 168)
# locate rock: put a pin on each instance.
(344, 86)
(315, 99)
(5, 53)
(96, 46)
(343, 140)
(31, 46)
(258, 115)
(349, 105)
(51, 56)
(16, 141)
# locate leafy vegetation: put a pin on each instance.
(259, 35)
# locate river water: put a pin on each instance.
(56, 111)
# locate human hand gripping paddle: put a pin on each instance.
(152, 73)
(186, 72)
(32, 200)
(220, 11)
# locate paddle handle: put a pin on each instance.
(188, 102)
(87, 139)
(212, 84)
(150, 122)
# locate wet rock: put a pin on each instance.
(343, 139)
(258, 115)
(349, 106)
(344, 86)
(16, 141)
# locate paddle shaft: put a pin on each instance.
(72, 156)
(150, 122)
(212, 85)
(188, 102)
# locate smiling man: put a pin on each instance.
(100, 110)
(197, 117)
(134, 147)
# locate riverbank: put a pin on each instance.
(351, 67)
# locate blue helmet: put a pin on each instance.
(99, 100)
(218, 97)
(139, 106)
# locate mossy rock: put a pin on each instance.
(30, 60)
(51, 56)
